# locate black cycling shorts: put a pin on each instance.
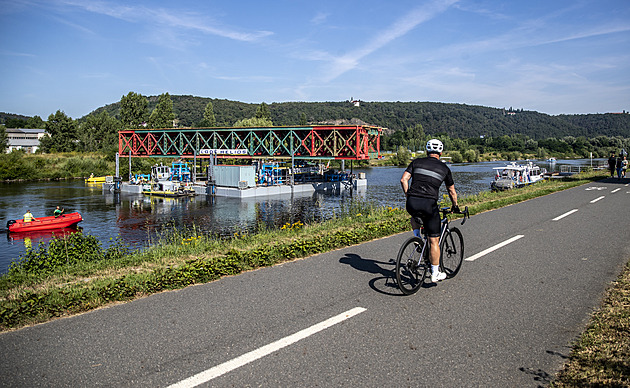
(427, 210)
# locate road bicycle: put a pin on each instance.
(413, 265)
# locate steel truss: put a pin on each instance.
(313, 142)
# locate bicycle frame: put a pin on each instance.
(443, 228)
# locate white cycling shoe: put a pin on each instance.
(437, 277)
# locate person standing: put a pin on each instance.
(426, 175)
(619, 166)
(58, 212)
(28, 217)
(612, 163)
(624, 166)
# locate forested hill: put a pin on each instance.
(457, 120)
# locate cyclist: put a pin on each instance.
(427, 175)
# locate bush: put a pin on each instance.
(456, 156)
(471, 156)
(403, 156)
(62, 250)
(16, 166)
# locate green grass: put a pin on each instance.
(601, 356)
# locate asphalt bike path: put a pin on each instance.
(533, 273)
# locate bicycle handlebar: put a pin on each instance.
(447, 210)
(466, 214)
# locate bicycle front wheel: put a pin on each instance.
(410, 266)
(452, 252)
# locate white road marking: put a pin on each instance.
(246, 358)
(615, 190)
(494, 248)
(565, 214)
(595, 188)
(597, 199)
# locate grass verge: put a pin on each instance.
(601, 356)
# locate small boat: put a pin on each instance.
(552, 160)
(516, 175)
(99, 179)
(45, 223)
(168, 189)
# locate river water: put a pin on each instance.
(136, 218)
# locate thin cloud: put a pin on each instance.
(15, 54)
(404, 25)
(319, 18)
(165, 17)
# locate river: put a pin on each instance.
(136, 218)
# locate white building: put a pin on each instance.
(24, 139)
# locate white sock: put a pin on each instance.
(416, 232)
(435, 268)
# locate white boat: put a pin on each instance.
(516, 175)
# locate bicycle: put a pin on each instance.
(413, 263)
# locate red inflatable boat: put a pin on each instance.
(45, 223)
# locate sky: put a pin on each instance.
(554, 57)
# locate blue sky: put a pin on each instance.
(549, 56)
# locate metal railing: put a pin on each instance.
(571, 169)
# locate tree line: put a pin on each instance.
(463, 128)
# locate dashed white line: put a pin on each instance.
(565, 214)
(494, 248)
(615, 190)
(597, 199)
(207, 375)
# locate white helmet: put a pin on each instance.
(434, 145)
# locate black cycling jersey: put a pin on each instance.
(427, 175)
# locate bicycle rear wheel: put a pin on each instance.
(452, 252)
(410, 267)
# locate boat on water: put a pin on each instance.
(516, 175)
(99, 179)
(169, 182)
(45, 223)
(168, 189)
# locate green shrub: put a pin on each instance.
(63, 250)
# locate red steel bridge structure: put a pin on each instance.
(343, 142)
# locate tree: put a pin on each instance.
(62, 131)
(303, 119)
(402, 156)
(15, 123)
(208, 116)
(35, 122)
(133, 110)
(162, 116)
(99, 132)
(4, 139)
(254, 122)
(263, 112)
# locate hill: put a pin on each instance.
(456, 120)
